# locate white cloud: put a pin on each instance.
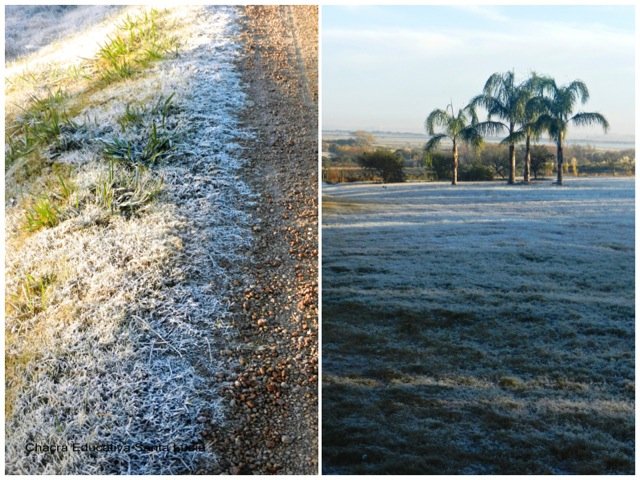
(535, 40)
(394, 41)
(484, 11)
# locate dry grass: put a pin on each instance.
(479, 330)
(335, 205)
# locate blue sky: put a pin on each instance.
(387, 67)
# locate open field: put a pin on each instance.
(482, 329)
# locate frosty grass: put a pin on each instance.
(128, 344)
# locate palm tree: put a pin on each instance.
(461, 127)
(530, 126)
(502, 98)
(559, 104)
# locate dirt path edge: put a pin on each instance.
(273, 398)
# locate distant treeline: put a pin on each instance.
(490, 162)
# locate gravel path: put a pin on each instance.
(272, 425)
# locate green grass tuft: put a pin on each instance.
(43, 214)
(42, 123)
(156, 143)
(126, 190)
(31, 295)
(133, 115)
(139, 42)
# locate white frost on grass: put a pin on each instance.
(29, 28)
(49, 66)
(127, 346)
(510, 309)
(481, 224)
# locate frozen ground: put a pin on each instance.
(479, 329)
(122, 345)
(29, 28)
(174, 305)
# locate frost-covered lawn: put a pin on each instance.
(482, 329)
(28, 28)
(115, 317)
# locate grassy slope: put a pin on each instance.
(28, 28)
(116, 309)
(479, 329)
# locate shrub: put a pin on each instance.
(441, 164)
(476, 172)
(345, 174)
(541, 161)
(384, 164)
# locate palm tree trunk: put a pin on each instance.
(512, 164)
(560, 162)
(454, 165)
(527, 161)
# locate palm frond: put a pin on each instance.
(503, 98)
(578, 89)
(547, 85)
(495, 108)
(535, 107)
(551, 107)
(491, 128)
(491, 82)
(514, 137)
(590, 118)
(497, 82)
(469, 110)
(535, 84)
(471, 136)
(533, 130)
(483, 101)
(435, 118)
(553, 126)
(434, 141)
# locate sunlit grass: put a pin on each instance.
(31, 296)
(44, 213)
(43, 119)
(50, 208)
(138, 42)
(40, 123)
(39, 131)
(114, 258)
